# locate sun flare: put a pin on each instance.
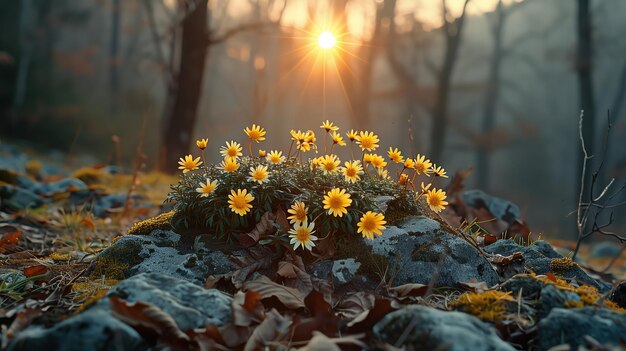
(326, 40)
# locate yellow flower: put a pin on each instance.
(328, 126)
(367, 141)
(425, 187)
(256, 133)
(403, 178)
(232, 149)
(275, 157)
(422, 165)
(202, 143)
(262, 153)
(304, 146)
(336, 202)
(382, 172)
(309, 137)
(371, 223)
(439, 171)
(298, 212)
(352, 135)
(368, 158)
(338, 139)
(316, 162)
(395, 155)
(207, 188)
(409, 163)
(301, 235)
(435, 200)
(189, 164)
(258, 174)
(330, 163)
(239, 202)
(378, 161)
(297, 136)
(352, 171)
(229, 164)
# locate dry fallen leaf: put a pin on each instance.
(409, 290)
(290, 297)
(9, 237)
(274, 327)
(265, 227)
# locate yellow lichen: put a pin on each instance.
(161, 221)
(34, 168)
(563, 264)
(490, 305)
(90, 175)
(108, 268)
(91, 291)
(62, 257)
(589, 295)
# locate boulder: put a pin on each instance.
(538, 257)
(15, 198)
(93, 330)
(619, 295)
(570, 326)
(419, 249)
(189, 305)
(162, 251)
(425, 328)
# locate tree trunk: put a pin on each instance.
(585, 85)
(483, 152)
(116, 13)
(180, 120)
(453, 32)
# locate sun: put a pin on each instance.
(326, 40)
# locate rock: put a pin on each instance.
(537, 258)
(433, 329)
(11, 159)
(345, 270)
(14, 198)
(419, 249)
(502, 209)
(570, 326)
(605, 249)
(163, 251)
(190, 305)
(382, 202)
(62, 186)
(552, 298)
(93, 330)
(619, 295)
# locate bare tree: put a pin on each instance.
(584, 68)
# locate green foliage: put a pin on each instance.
(288, 182)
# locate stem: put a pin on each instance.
(250, 148)
(331, 148)
(352, 149)
(325, 142)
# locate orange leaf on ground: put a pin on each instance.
(35, 270)
(9, 237)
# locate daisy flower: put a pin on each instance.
(352, 171)
(202, 143)
(189, 164)
(207, 188)
(255, 133)
(275, 157)
(435, 200)
(371, 223)
(422, 165)
(336, 202)
(258, 174)
(302, 235)
(232, 149)
(367, 141)
(298, 213)
(395, 155)
(239, 202)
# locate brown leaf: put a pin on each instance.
(35, 270)
(247, 308)
(321, 342)
(458, 181)
(489, 239)
(23, 319)
(9, 237)
(265, 227)
(300, 279)
(281, 220)
(355, 304)
(324, 319)
(474, 285)
(409, 290)
(151, 320)
(499, 259)
(381, 308)
(286, 270)
(274, 327)
(290, 297)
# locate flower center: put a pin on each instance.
(369, 224)
(335, 202)
(303, 234)
(434, 201)
(239, 202)
(351, 172)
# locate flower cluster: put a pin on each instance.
(322, 194)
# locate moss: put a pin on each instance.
(34, 168)
(108, 268)
(145, 227)
(491, 305)
(561, 265)
(372, 265)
